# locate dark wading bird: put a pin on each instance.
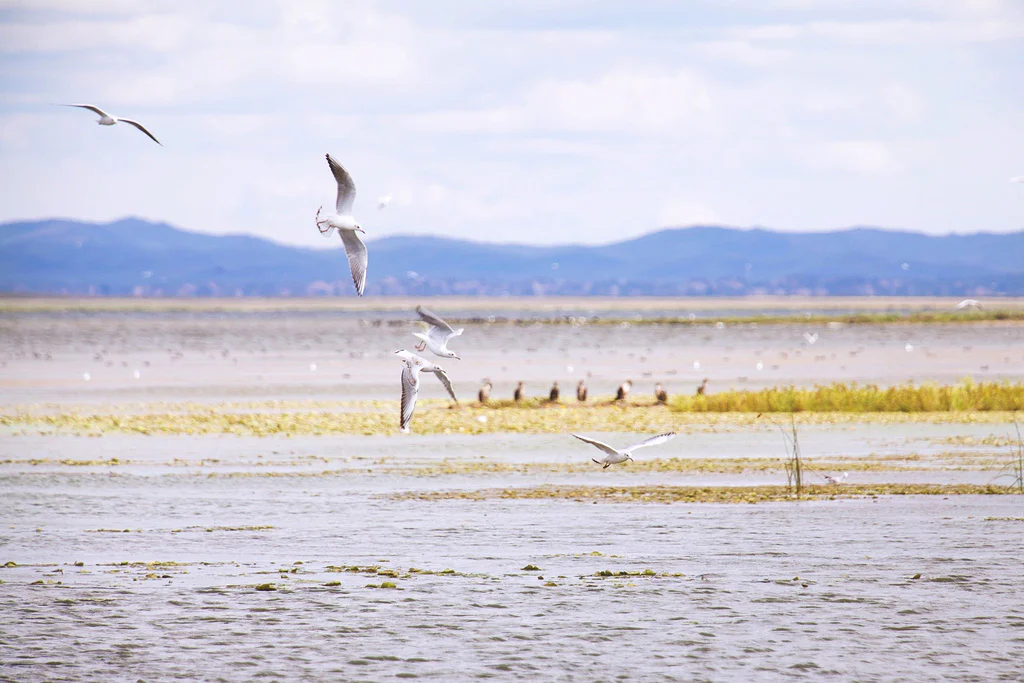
(623, 390)
(554, 393)
(484, 395)
(660, 393)
(703, 387)
(581, 391)
(518, 395)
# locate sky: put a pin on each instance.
(530, 121)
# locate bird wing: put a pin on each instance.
(433, 319)
(410, 390)
(346, 187)
(90, 107)
(443, 376)
(600, 444)
(357, 258)
(142, 128)
(653, 441)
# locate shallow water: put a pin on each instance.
(815, 589)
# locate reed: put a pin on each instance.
(851, 398)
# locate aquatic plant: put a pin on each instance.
(840, 397)
(1016, 465)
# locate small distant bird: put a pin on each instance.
(623, 390)
(581, 391)
(382, 202)
(968, 303)
(836, 480)
(108, 120)
(411, 384)
(345, 224)
(810, 338)
(660, 393)
(438, 333)
(554, 393)
(702, 389)
(484, 395)
(615, 456)
(1017, 179)
(518, 395)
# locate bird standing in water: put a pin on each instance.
(623, 390)
(518, 395)
(660, 393)
(555, 393)
(703, 387)
(484, 395)
(581, 391)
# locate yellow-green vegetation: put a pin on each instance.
(851, 398)
(965, 403)
(266, 587)
(705, 494)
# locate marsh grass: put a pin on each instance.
(1015, 468)
(870, 398)
(703, 494)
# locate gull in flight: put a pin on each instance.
(383, 201)
(968, 303)
(346, 225)
(436, 335)
(1017, 179)
(810, 338)
(108, 120)
(614, 456)
(837, 479)
(411, 384)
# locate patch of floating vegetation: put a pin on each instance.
(851, 398)
(828, 405)
(266, 587)
(1004, 519)
(377, 570)
(210, 529)
(704, 494)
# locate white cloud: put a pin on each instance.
(684, 212)
(860, 156)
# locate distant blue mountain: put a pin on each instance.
(133, 256)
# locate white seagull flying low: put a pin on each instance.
(414, 365)
(437, 334)
(109, 120)
(614, 456)
(968, 303)
(346, 226)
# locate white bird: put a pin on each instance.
(968, 303)
(109, 120)
(383, 201)
(837, 479)
(346, 226)
(1017, 179)
(411, 384)
(437, 334)
(810, 338)
(614, 456)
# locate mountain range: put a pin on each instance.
(137, 257)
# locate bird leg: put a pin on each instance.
(421, 346)
(319, 222)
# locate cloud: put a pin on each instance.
(860, 156)
(685, 212)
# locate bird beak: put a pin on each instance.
(457, 357)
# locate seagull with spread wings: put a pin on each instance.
(414, 365)
(436, 335)
(614, 456)
(110, 120)
(346, 226)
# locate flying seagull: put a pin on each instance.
(383, 201)
(1017, 179)
(436, 335)
(109, 120)
(615, 456)
(838, 479)
(411, 384)
(346, 225)
(968, 303)
(810, 338)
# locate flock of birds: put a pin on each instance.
(437, 333)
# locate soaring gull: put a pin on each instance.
(346, 225)
(614, 456)
(968, 303)
(436, 335)
(109, 120)
(414, 365)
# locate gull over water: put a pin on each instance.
(414, 365)
(110, 120)
(614, 456)
(342, 221)
(436, 335)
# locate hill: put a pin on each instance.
(132, 256)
